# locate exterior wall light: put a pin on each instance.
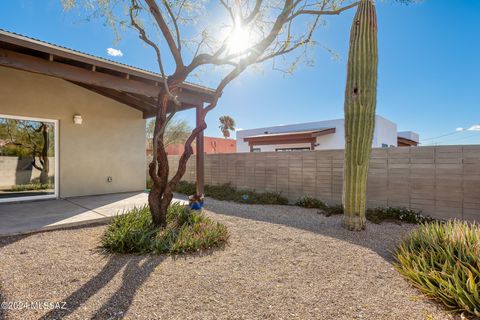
(77, 119)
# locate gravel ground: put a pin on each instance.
(282, 262)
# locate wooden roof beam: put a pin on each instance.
(119, 97)
(280, 141)
(80, 75)
(40, 46)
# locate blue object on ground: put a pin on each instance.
(196, 205)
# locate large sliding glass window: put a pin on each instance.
(28, 158)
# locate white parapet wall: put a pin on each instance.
(410, 135)
(385, 135)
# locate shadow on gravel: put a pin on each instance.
(3, 312)
(381, 238)
(136, 270)
(8, 240)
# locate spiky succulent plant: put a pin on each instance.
(443, 261)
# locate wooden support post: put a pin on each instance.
(200, 158)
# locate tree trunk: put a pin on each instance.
(159, 216)
(42, 155)
(360, 105)
(45, 161)
(161, 193)
(159, 199)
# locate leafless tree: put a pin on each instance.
(248, 33)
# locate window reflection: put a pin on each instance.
(27, 158)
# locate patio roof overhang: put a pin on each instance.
(309, 136)
(134, 87)
(404, 142)
(131, 86)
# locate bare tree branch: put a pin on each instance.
(157, 15)
(324, 13)
(175, 24)
(146, 39)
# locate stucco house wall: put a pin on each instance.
(110, 142)
(385, 133)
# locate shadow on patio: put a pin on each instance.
(24, 217)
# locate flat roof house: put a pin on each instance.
(318, 135)
(72, 124)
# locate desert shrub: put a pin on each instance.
(309, 202)
(221, 192)
(442, 259)
(377, 215)
(186, 231)
(227, 192)
(252, 197)
(247, 196)
(271, 198)
(331, 210)
(185, 187)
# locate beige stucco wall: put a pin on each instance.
(110, 142)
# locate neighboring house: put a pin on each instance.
(317, 135)
(408, 139)
(211, 145)
(96, 110)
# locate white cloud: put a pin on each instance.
(459, 129)
(114, 52)
(474, 128)
(238, 129)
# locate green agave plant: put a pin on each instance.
(442, 259)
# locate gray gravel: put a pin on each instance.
(282, 262)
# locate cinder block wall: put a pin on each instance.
(443, 181)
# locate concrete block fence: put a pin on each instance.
(442, 181)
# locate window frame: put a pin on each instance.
(55, 195)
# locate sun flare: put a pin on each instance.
(239, 40)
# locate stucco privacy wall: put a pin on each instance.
(110, 142)
(443, 182)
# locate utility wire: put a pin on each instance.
(443, 135)
(459, 139)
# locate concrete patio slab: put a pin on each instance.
(26, 217)
(111, 204)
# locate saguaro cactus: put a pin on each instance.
(360, 105)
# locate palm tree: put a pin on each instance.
(227, 124)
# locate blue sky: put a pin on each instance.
(429, 69)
